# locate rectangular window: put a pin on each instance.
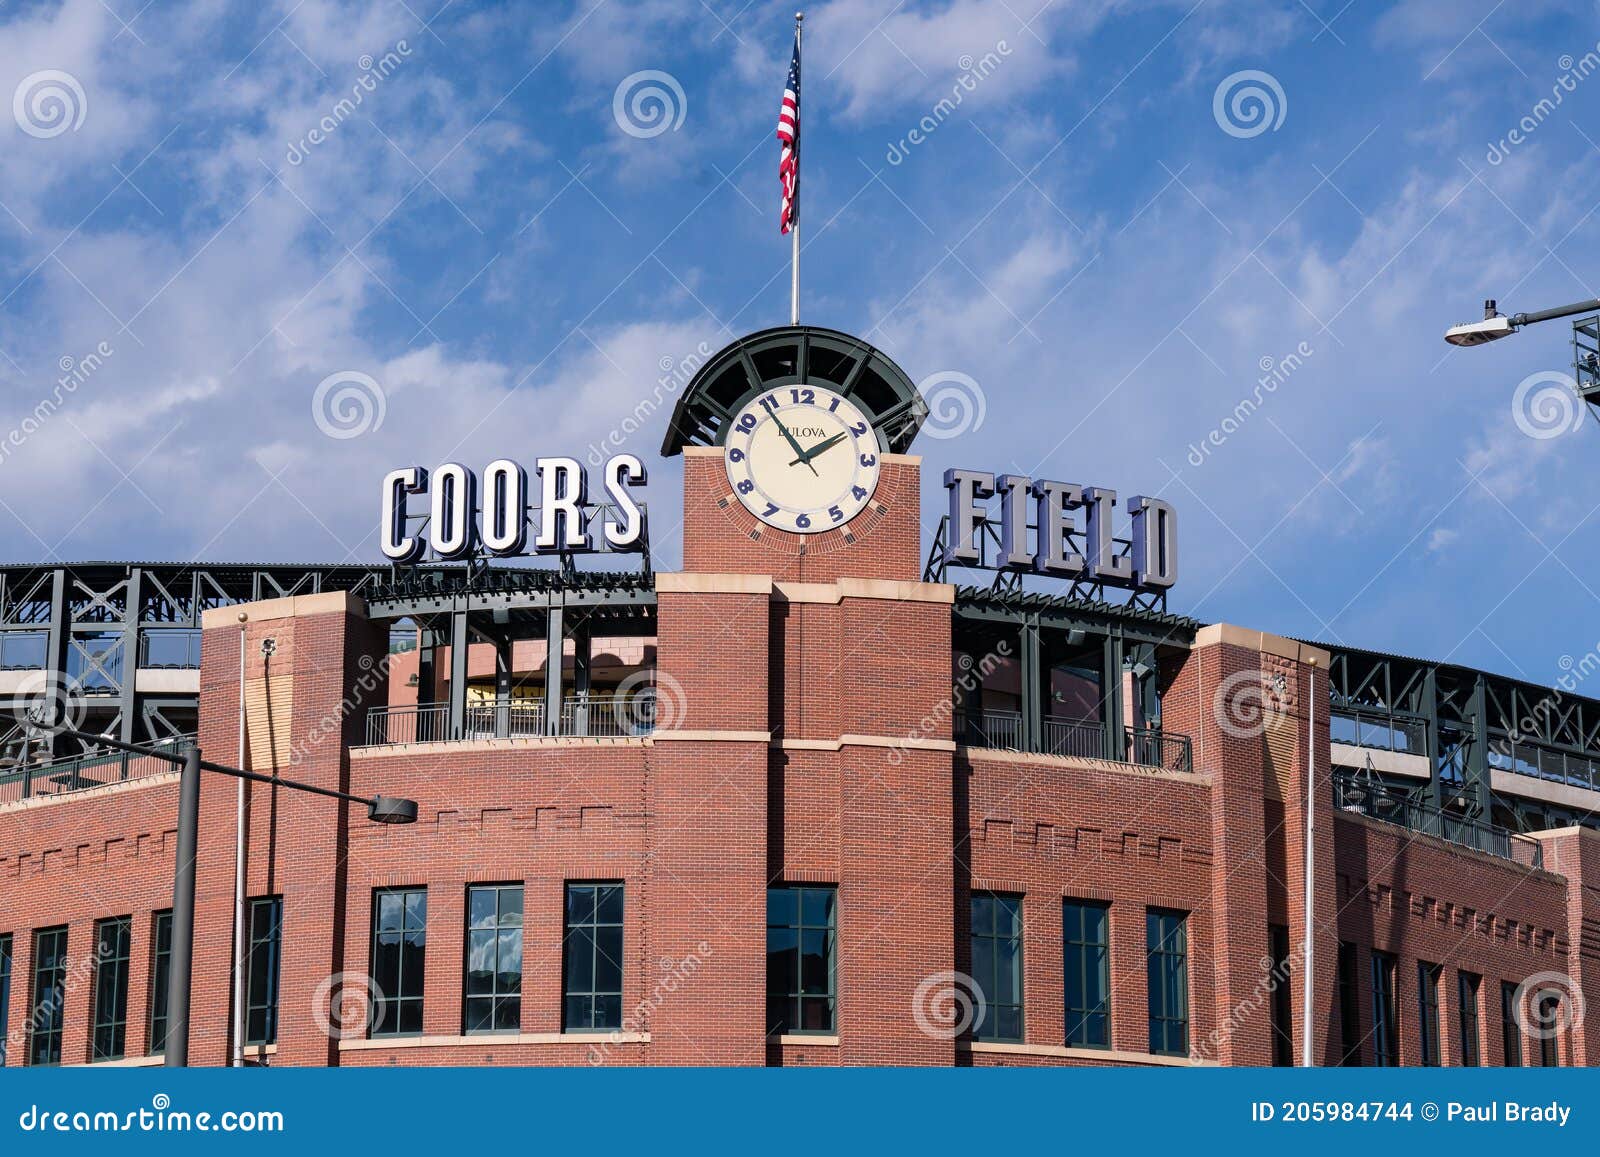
(1385, 1029)
(997, 965)
(802, 939)
(1467, 985)
(5, 993)
(1547, 1019)
(160, 978)
(1428, 1010)
(113, 941)
(49, 993)
(1509, 1028)
(591, 966)
(494, 958)
(261, 968)
(1282, 999)
(1349, 1005)
(1167, 945)
(1087, 931)
(399, 945)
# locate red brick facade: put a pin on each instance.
(807, 739)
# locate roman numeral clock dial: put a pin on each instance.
(803, 459)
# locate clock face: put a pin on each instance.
(802, 459)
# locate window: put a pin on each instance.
(997, 965)
(1349, 1005)
(1428, 1010)
(1467, 985)
(113, 940)
(49, 992)
(399, 943)
(1167, 942)
(1282, 998)
(494, 958)
(1385, 1034)
(802, 939)
(592, 958)
(1547, 1016)
(160, 978)
(1087, 930)
(1510, 1029)
(5, 993)
(261, 967)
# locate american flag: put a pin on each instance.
(789, 134)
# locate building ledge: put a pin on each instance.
(44, 799)
(820, 1039)
(1079, 763)
(493, 1040)
(1062, 1052)
(458, 746)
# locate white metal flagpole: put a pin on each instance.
(236, 1033)
(794, 228)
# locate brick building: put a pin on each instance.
(797, 804)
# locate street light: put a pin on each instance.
(1494, 326)
(381, 809)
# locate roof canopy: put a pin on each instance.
(786, 356)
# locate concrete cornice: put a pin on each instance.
(1267, 644)
(293, 607)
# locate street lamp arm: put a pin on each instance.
(219, 768)
(1590, 306)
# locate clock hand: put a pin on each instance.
(789, 438)
(807, 455)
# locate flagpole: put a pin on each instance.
(794, 229)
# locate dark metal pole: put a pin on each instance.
(181, 961)
(1559, 311)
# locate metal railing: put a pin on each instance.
(1377, 802)
(603, 716)
(1378, 730)
(80, 773)
(1079, 738)
(424, 723)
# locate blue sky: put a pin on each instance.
(1083, 237)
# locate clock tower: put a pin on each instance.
(795, 448)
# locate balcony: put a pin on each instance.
(1389, 806)
(602, 716)
(32, 780)
(1077, 738)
